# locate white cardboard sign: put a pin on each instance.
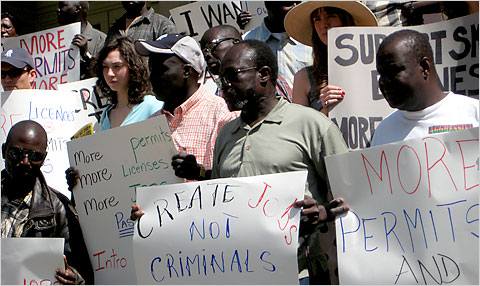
(197, 17)
(91, 100)
(223, 231)
(61, 115)
(56, 60)
(112, 165)
(31, 260)
(414, 211)
(352, 66)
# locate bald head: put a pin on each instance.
(24, 153)
(408, 79)
(72, 11)
(416, 42)
(27, 131)
(216, 42)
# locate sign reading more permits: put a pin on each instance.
(414, 211)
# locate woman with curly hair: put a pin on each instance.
(310, 86)
(123, 78)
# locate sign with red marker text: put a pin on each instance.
(352, 66)
(112, 165)
(223, 231)
(31, 260)
(56, 60)
(414, 211)
(61, 115)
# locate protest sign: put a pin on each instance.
(56, 59)
(352, 66)
(112, 164)
(31, 260)
(258, 11)
(414, 211)
(59, 112)
(91, 100)
(197, 17)
(223, 231)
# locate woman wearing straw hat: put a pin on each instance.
(310, 87)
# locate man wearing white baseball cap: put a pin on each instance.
(17, 69)
(194, 116)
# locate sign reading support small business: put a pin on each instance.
(223, 231)
(414, 211)
(352, 66)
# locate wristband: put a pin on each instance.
(88, 55)
(202, 172)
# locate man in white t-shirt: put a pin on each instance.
(409, 82)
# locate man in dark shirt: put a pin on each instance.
(30, 208)
(140, 22)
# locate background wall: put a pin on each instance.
(40, 15)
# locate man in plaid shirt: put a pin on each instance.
(194, 116)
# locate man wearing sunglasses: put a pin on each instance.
(193, 114)
(274, 136)
(215, 43)
(17, 69)
(30, 208)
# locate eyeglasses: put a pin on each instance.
(232, 75)
(19, 153)
(12, 73)
(210, 47)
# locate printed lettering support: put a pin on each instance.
(352, 67)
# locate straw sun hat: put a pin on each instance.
(298, 25)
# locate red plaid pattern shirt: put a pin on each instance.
(194, 124)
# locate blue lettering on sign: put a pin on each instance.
(417, 228)
(124, 226)
(205, 264)
(50, 113)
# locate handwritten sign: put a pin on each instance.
(352, 66)
(224, 231)
(112, 165)
(31, 260)
(59, 112)
(195, 18)
(258, 11)
(91, 100)
(414, 216)
(56, 60)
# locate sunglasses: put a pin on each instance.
(231, 76)
(19, 153)
(12, 73)
(210, 47)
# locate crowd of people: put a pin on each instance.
(266, 113)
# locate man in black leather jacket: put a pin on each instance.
(30, 208)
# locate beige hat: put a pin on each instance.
(298, 25)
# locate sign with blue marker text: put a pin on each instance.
(112, 165)
(56, 60)
(414, 211)
(31, 260)
(352, 66)
(223, 231)
(61, 115)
